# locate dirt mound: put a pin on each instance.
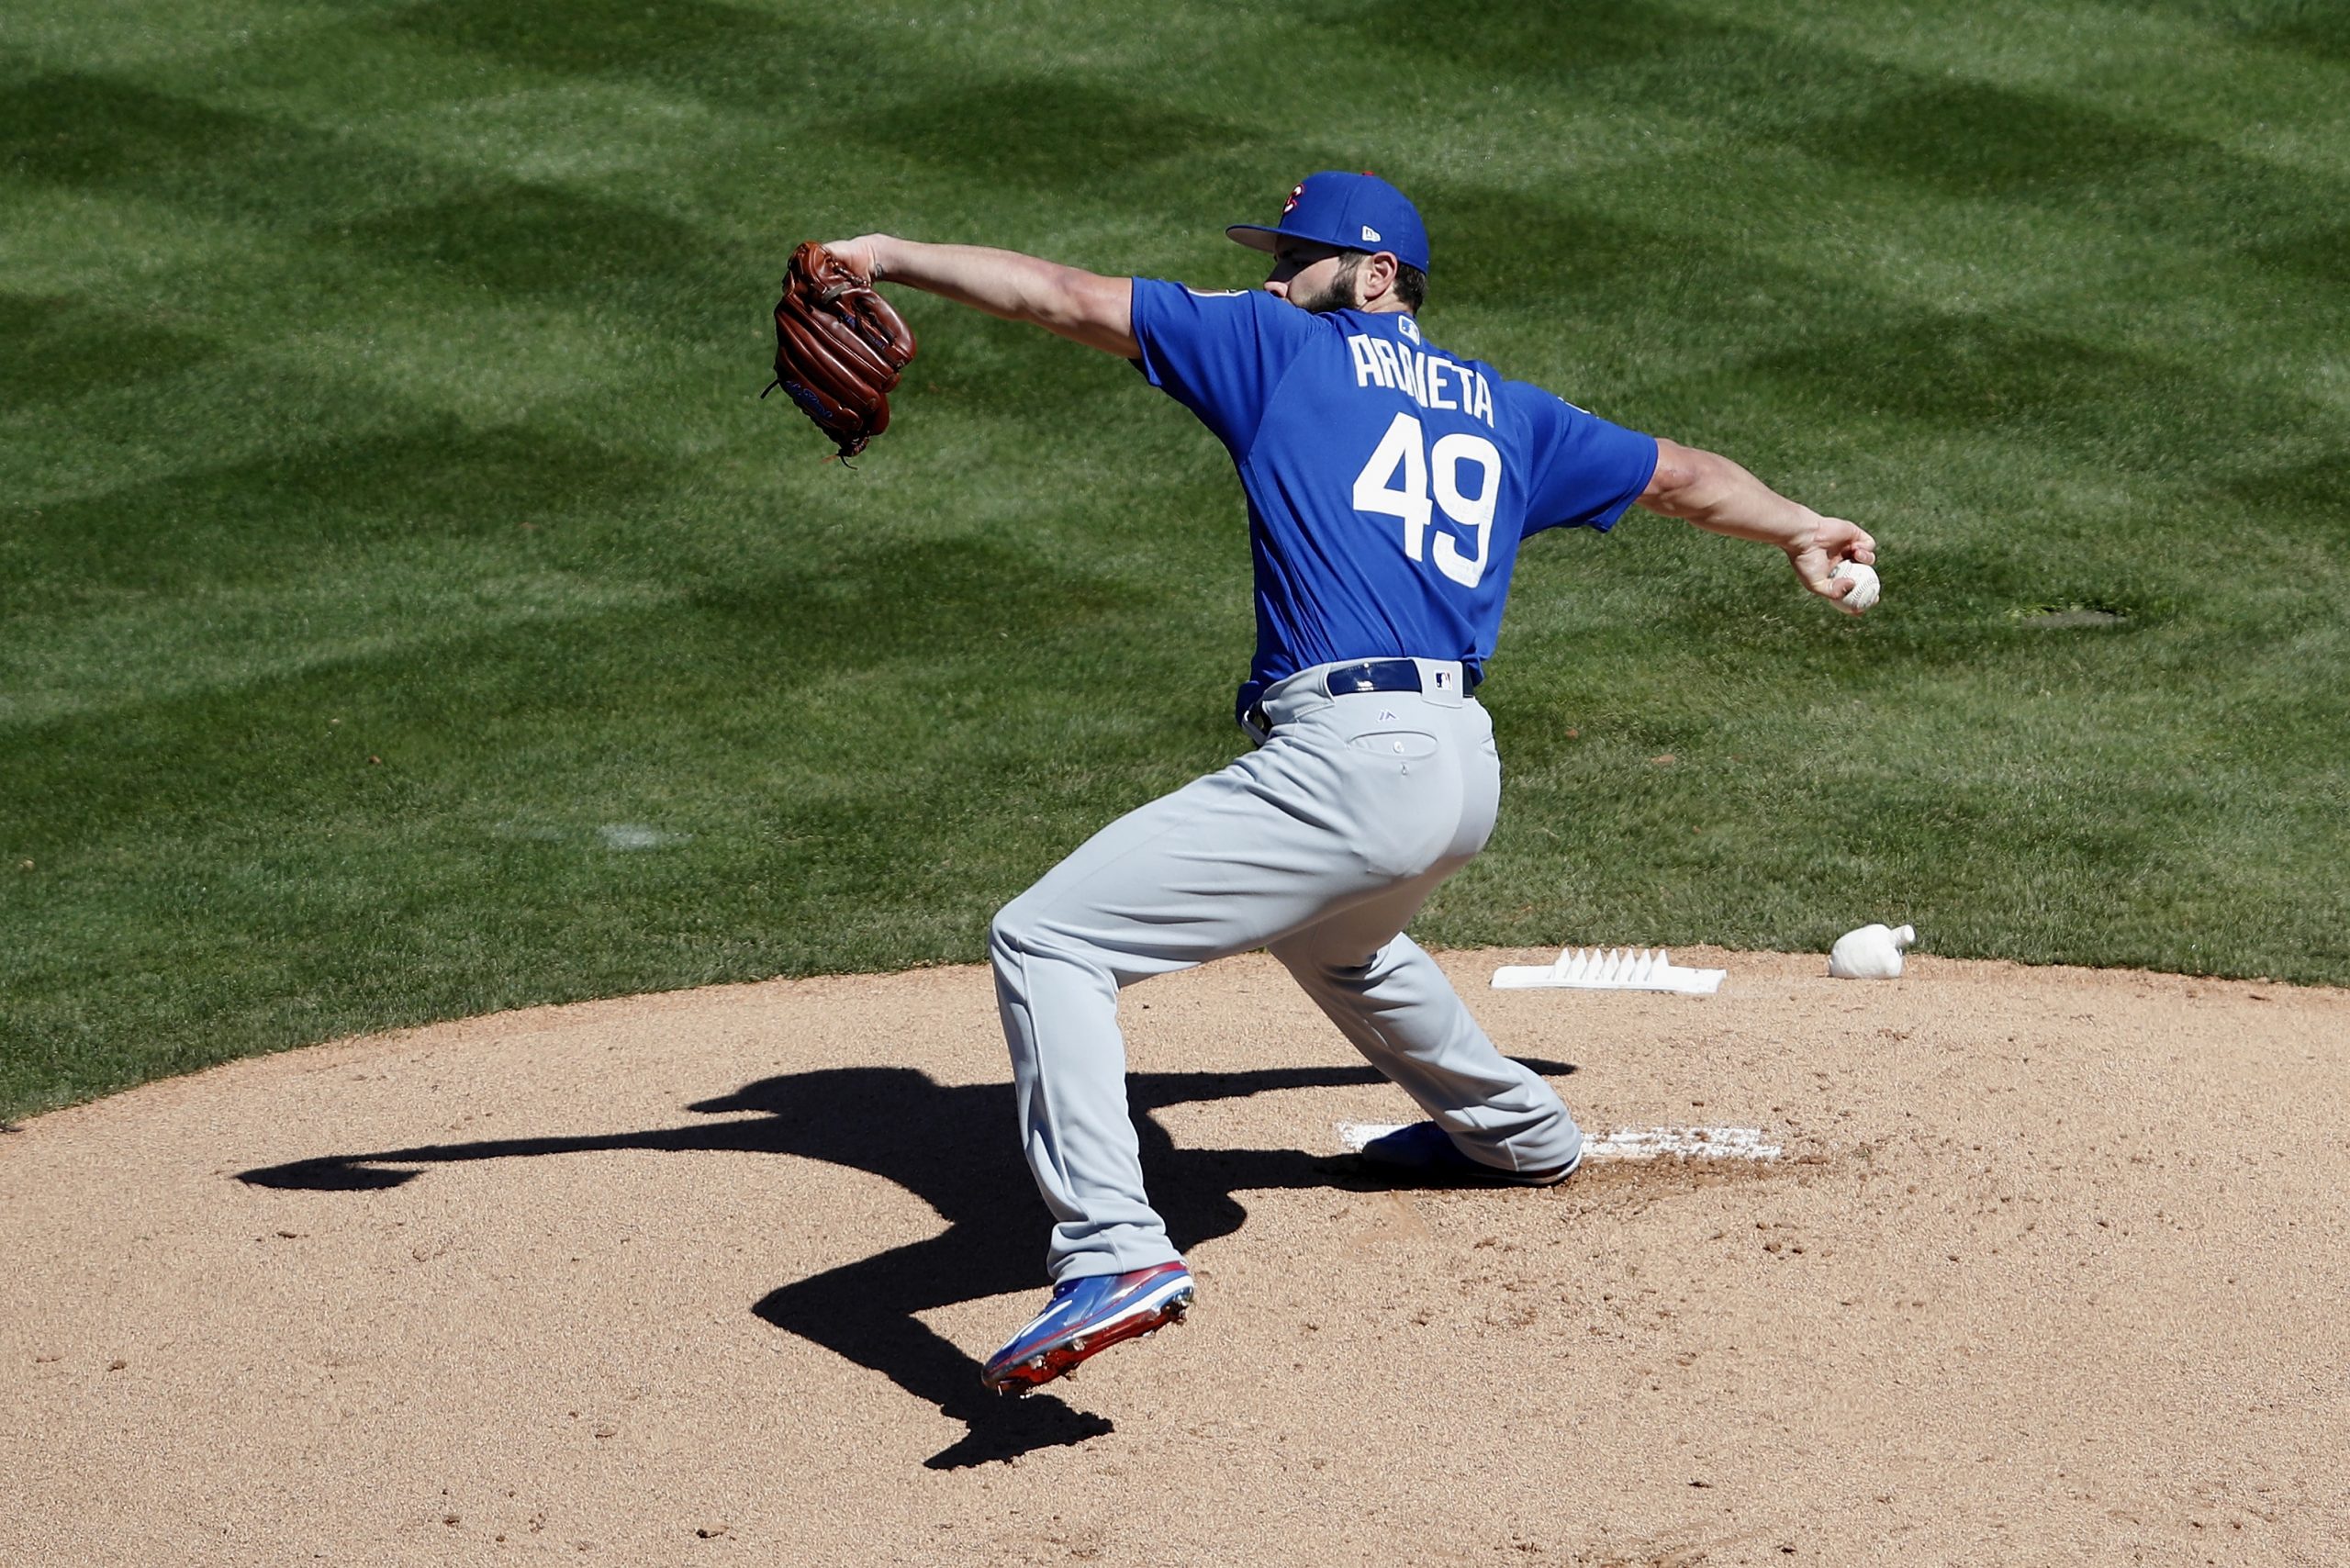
(2050, 1267)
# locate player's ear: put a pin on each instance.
(1377, 276)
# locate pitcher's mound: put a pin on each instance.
(2048, 1266)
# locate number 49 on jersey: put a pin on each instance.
(1397, 479)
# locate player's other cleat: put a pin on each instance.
(1427, 1152)
(1085, 1317)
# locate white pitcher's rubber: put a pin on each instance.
(1625, 1143)
(1610, 969)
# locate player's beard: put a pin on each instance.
(1340, 294)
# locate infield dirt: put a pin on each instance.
(2053, 1269)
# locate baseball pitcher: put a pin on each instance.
(1389, 484)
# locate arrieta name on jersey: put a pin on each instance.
(1430, 380)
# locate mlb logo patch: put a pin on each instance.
(1409, 327)
(1444, 680)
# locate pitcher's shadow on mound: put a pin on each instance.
(953, 1146)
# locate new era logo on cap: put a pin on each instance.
(1370, 234)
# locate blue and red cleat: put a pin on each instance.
(1085, 1317)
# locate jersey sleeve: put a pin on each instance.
(1220, 356)
(1584, 470)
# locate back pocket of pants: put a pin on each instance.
(1405, 746)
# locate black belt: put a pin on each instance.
(1383, 675)
(1348, 680)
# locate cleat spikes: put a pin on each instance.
(1086, 1316)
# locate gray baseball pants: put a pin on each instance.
(1320, 846)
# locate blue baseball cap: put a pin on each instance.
(1353, 212)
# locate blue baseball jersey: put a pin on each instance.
(1389, 483)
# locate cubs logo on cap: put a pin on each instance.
(1347, 212)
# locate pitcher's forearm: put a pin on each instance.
(1001, 283)
(1715, 494)
(1084, 306)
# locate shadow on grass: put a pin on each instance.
(952, 1146)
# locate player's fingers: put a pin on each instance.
(1844, 535)
(856, 254)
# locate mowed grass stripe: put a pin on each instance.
(512, 236)
(492, 279)
(518, 240)
(2244, 74)
(525, 217)
(777, 792)
(2104, 410)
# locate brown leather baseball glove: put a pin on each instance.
(838, 348)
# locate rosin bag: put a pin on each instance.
(1873, 952)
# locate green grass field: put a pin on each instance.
(409, 611)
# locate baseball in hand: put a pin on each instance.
(1863, 579)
